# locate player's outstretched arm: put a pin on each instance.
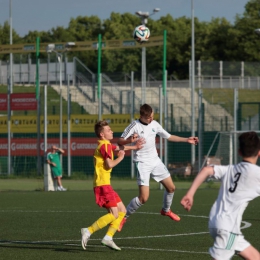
(112, 163)
(138, 145)
(192, 140)
(187, 200)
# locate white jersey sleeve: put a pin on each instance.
(161, 132)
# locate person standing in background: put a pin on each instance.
(53, 159)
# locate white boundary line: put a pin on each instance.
(58, 242)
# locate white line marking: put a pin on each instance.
(78, 245)
(84, 211)
(246, 225)
(57, 242)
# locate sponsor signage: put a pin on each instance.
(3, 102)
(28, 146)
(18, 101)
(83, 46)
(78, 123)
(23, 101)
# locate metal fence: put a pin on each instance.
(218, 107)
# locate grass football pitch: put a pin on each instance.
(46, 225)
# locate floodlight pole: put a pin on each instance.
(144, 18)
(60, 62)
(51, 48)
(10, 89)
(11, 42)
(192, 83)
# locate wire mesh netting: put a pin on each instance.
(72, 106)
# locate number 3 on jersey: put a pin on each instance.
(237, 176)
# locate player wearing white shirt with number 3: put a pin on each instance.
(240, 184)
(148, 163)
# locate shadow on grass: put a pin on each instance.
(55, 246)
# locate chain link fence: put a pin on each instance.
(225, 99)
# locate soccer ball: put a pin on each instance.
(141, 33)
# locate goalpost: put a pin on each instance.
(226, 145)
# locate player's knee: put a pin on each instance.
(143, 200)
(115, 214)
(122, 209)
(171, 189)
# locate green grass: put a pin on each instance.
(45, 225)
(53, 101)
(82, 185)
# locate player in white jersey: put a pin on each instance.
(148, 163)
(240, 184)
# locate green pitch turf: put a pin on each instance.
(46, 225)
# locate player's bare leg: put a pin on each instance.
(136, 203)
(250, 253)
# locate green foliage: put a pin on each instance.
(214, 40)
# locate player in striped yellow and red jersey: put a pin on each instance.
(105, 195)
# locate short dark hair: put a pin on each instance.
(146, 110)
(99, 126)
(249, 144)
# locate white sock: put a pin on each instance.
(134, 205)
(167, 200)
(87, 231)
(106, 237)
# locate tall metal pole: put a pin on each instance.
(11, 42)
(235, 125)
(165, 95)
(99, 76)
(68, 124)
(192, 83)
(143, 67)
(45, 130)
(143, 74)
(161, 121)
(132, 119)
(10, 89)
(60, 62)
(38, 108)
(9, 128)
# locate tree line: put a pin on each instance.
(214, 41)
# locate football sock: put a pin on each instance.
(167, 201)
(101, 222)
(134, 205)
(114, 225)
(106, 237)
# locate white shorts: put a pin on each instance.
(226, 244)
(156, 169)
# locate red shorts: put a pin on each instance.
(106, 197)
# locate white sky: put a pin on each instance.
(38, 15)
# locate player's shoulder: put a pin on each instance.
(133, 124)
(154, 122)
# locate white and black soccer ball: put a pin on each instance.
(141, 33)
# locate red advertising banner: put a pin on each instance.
(28, 146)
(3, 102)
(23, 101)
